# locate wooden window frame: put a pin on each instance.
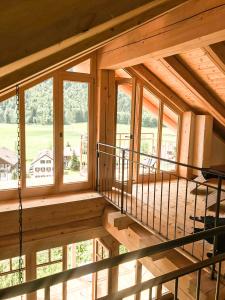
(58, 186)
(137, 93)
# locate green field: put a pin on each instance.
(39, 137)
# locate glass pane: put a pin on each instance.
(84, 67)
(39, 134)
(75, 131)
(56, 253)
(8, 144)
(149, 129)
(42, 257)
(169, 138)
(123, 127)
(123, 123)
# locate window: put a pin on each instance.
(9, 272)
(49, 262)
(169, 138)
(149, 129)
(39, 129)
(76, 98)
(123, 117)
(8, 144)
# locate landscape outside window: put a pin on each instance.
(75, 96)
(8, 144)
(39, 134)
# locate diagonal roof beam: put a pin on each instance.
(210, 101)
(158, 88)
(216, 53)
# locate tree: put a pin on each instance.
(74, 163)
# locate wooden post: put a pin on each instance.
(31, 271)
(64, 285)
(138, 277)
(187, 143)
(106, 129)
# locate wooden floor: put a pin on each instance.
(167, 210)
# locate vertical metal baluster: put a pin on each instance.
(198, 284)
(142, 192)
(195, 206)
(153, 224)
(150, 294)
(168, 209)
(185, 207)
(148, 195)
(217, 295)
(118, 190)
(217, 220)
(206, 204)
(97, 167)
(177, 194)
(137, 181)
(122, 189)
(127, 183)
(160, 210)
(176, 289)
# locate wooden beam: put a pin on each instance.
(193, 25)
(158, 88)
(68, 37)
(136, 237)
(216, 53)
(210, 101)
(138, 277)
(120, 221)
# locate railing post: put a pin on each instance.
(122, 187)
(97, 167)
(216, 221)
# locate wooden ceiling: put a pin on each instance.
(196, 78)
(39, 35)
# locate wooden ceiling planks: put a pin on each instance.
(204, 68)
(157, 67)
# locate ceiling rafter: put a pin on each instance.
(158, 88)
(185, 75)
(216, 53)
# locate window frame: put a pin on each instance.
(57, 187)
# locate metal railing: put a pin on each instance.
(47, 282)
(160, 198)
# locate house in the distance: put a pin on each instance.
(8, 163)
(43, 165)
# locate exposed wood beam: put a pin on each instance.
(210, 101)
(216, 53)
(195, 24)
(44, 47)
(158, 88)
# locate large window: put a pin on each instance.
(149, 129)
(123, 117)
(75, 96)
(39, 134)
(8, 144)
(169, 138)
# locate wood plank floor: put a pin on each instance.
(166, 207)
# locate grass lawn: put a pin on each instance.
(39, 137)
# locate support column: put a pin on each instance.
(31, 271)
(138, 278)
